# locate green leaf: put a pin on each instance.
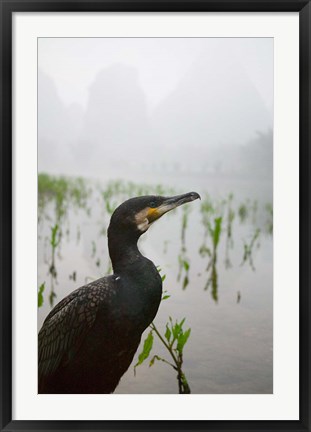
(185, 282)
(54, 242)
(163, 278)
(204, 250)
(168, 333)
(217, 231)
(231, 215)
(165, 295)
(182, 322)
(176, 329)
(156, 357)
(186, 265)
(51, 298)
(146, 349)
(182, 339)
(40, 294)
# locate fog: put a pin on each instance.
(136, 107)
(185, 114)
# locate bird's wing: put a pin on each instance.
(67, 324)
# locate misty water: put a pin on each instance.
(227, 305)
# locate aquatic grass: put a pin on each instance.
(243, 212)
(184, 267)
(269, 218)
(59, 196)
(40, 294)
(249, 248)
(64, 192)
(248, 211)
(54, 242)
(215, 232)
(73, 276)
(238, 297)
(94, 248)
(212, 216)
(229, 229)
(183, 260)
(117, 191)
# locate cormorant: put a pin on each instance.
(89, 339)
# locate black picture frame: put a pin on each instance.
(8, 7)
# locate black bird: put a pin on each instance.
(89, 339)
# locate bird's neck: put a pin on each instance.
(123, 251)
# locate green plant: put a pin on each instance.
(229, 239)
(248, 249)
(183, 260)
(40, 294)
(174, 340)
(215, 232)
(54, 243)
(243, 212)
(269, 221)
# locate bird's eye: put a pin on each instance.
(152, 204)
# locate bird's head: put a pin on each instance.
(137, 214)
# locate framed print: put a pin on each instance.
(117, 114)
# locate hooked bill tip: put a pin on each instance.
(194, 196)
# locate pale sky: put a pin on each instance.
(150, 102)
(73, 63)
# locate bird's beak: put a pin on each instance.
(169, 204)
